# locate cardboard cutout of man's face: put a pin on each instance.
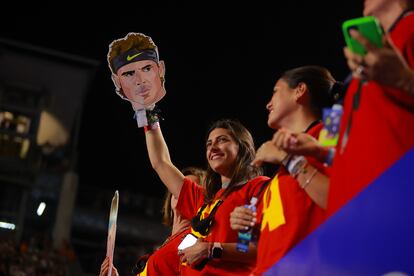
(141, 82)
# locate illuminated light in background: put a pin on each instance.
(51, 130)
(41, 208)
(7, 225)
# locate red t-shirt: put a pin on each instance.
(287, 215)
(381, 131)
(191, 199)
(165, 260)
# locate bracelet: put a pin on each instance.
(153, 116)
(285, 160)
(308, 181)
(295, 165)
(151, 127)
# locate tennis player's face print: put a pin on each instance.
(141, 82)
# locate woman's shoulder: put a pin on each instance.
(258, 180)
(254, 186)
(403, 33)
(408, 20)
(190, 184)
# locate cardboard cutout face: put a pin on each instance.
(141, 82)
(137, 72)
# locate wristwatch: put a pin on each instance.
(217, 251)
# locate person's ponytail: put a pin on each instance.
(336, 92)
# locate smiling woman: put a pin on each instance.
(290, 209)
(230, 181)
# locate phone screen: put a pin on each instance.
(188, 241)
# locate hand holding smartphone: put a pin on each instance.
(188, 241)
(368, 27)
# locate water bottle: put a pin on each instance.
(245, 236)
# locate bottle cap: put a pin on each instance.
(253, 201)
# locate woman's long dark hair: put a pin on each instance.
(241, 170)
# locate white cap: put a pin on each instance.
(253, 201)
(337, 107)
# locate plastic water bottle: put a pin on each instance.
(246, 236)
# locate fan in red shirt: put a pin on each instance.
(230, 181)
(192, 197)
(379, 130)
(289, 212)
(165, 260)
(376, 127)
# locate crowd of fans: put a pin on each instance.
(35, 257)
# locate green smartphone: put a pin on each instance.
(367, 26)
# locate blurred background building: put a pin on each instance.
(42, 93)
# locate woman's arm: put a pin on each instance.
(161, 162)
(315, 184)
(230, 253)
(300, 144)
(200, 251)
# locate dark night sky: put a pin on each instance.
(221, 62)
